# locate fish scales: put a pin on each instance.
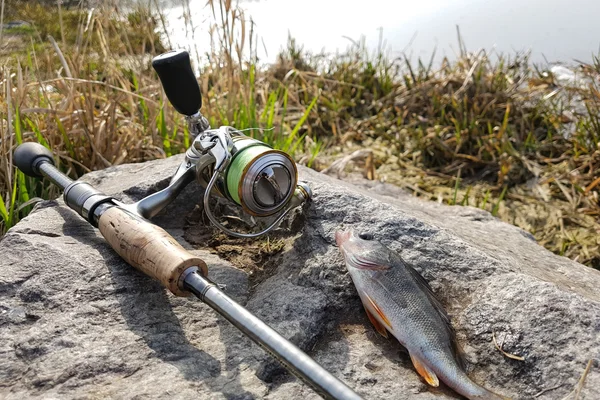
(399, 300)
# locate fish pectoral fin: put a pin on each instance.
(378, 310)
(423, 370)
(378, 326)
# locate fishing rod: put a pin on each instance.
(259, 180)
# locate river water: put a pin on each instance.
(553, 30)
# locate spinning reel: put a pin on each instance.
(250, 174)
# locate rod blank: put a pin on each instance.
(296, 361)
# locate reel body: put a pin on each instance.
(261, 180)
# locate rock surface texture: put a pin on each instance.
(78, 322)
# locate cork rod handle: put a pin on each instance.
(148, 248)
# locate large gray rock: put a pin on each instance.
(77, 322)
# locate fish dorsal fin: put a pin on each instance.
(423, 370)
(378, 326)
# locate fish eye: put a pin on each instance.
(365, 236)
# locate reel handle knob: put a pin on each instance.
(174, 69)
(28, 156)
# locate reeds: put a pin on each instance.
(497, 133)
(89, 97)
(483, 130)
(93, 98)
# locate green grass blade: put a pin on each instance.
(186, 136)
(23, 194)
(161, 125)
(283, 110)
(36, 130)
(485, 199)
(271, 108)
(456, 184)
(290, 139)
(18, 130)
(465, 200)
(292, 150)
(500, 199)
(143, 106)
(3, 212)
(67, 141)
(10, 221)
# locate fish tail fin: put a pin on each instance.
(456, 378)
(426, 372)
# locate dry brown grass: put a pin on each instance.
(499, 135)
(484, 130)
(95, 101)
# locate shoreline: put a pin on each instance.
(475, 131)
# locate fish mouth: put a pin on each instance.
(342, 237)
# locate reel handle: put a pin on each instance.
(149, 248)
(174, 69)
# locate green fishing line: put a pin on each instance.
(236, 169)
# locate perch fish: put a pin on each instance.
(398, 300)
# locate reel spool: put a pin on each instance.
(259, 179)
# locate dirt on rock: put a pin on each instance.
(258, 257)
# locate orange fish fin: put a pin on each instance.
(423, 370)
(378, 327)
(378, 310)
